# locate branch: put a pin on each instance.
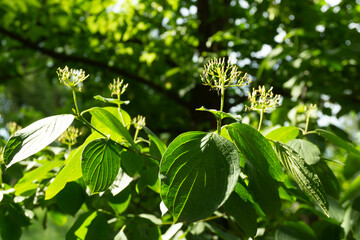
(64, 57)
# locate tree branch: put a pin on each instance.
(72, 58)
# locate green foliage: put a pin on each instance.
(228, 183)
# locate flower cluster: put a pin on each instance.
(69, 137)
(118, 87)
(219, 74)
(72, 77)
(261, 99)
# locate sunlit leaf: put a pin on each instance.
(35, 137)
(307, 150)
(283, 134)
(198, 172)
(71, 171)
(112, 125)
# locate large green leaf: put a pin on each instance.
(307, 150)
(257, 149)
(337, 141)
(198, 172)
(239, 205)
(283, 134)
(264, 190)
(303, 174)
(71, 171)
(100, 164)
(112, 126)
(35, 137)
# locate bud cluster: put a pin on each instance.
(72, 77)
(69, 137)
(219, 74)
(139, 122)
(118, 87)
(261, 99)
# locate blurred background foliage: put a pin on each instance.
(309, 51)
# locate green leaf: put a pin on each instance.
(328, 179)
(71, 171)
(112, 126)
(337, 141)
(257, 149)
(35, 137)
(239, 205)
(111, 100)
(9, 229)
(31, 179)
(131, 162)
(295, 231)
(153, 138)
(283, 134)
(70, 198)
(125, 119)
(307, 150)
(198, 172)
(100, 164)
(353, 190)
(121, 201)
(264, 190)
(149, 178)
(221, 115)
(303, 174)
(352, 219)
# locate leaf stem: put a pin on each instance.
(261, 119)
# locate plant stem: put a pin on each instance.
(136, 134)
(261, 119)
(119, 109)
(307, 124)
(221, 109)
(75, 102)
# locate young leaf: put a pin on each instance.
(283, 134)
(110, 100)
(35, 137)
(307, 150)
(112, 125)
(257, 149)
(198, 172)
(303, 174)
(100, 164)
(337, 141)
(221, 115)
